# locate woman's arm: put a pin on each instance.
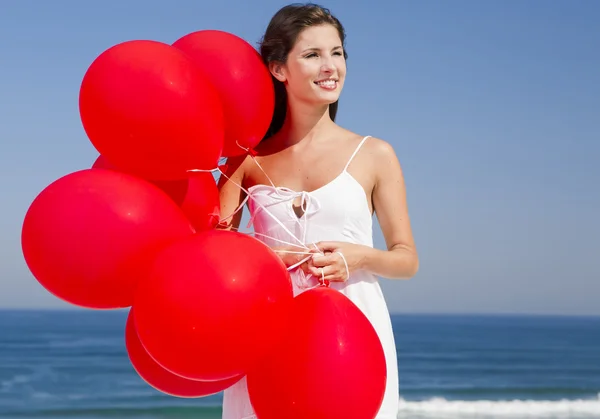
(400, 260)
(230, 195)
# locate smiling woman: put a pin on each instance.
(287, 27)
(313, 187)
(318, 53)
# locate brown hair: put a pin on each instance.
(280, 37)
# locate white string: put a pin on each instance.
(267, 211)
(216, 169)
(345, 263)
(305, 197)
(322, 282)
(295, 265)
(236, 210)
(279, 240)
(305, 204)
(292, 252)
(247, 150)
(285, 242)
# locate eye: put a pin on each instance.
(337, 53)
(311, 55)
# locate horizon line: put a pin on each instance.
(392, 313)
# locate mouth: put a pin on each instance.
(329, 84)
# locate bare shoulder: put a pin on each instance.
(383, 160)
(378, 153)
(380, 148)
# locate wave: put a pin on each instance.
(442, 408)
(436, 408)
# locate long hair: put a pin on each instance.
(279, 39)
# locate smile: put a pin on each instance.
(327, 84)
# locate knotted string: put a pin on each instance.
(306, 201)
(305, 205)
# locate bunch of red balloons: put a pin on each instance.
(138, 229)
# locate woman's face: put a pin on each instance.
(316, 68)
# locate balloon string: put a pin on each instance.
(238, 209)
(264, 209)
(248, 196)
(322, 281)
(216, 169)
(252, 155)
(220, 170)
(305, 203)
(345, 263)
(302, 245)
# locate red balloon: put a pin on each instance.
(197, 196)
(213, 304)
(243, 81)
(176, 189)
(161, 379)
(102, 163)
(201, 203)
(149, 109)
(331, 366)
(89, 236)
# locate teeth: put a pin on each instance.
(327, 83)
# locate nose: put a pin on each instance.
(327, 64)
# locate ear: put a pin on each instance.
(277, 70)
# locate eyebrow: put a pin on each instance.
(319, 49)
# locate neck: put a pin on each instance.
(304, 123)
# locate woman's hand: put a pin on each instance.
(337, 261)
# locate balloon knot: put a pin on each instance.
(252, 152)
(223, 168)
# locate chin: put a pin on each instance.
(328, 98)
(320, 98)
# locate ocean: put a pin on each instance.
(73, 364)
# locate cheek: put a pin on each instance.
(307, 69)
(299, 75)
(341, 67)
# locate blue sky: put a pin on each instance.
(493, 108)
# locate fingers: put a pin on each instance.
(329, 273)
(334, 278)
(323, 260)
(328, 267)
(318, 272)
(327, 246)
(313, 248)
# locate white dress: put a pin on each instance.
(337, 211)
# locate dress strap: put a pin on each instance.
(355, 151)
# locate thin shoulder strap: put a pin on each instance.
(355, 151)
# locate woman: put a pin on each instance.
(313, 186)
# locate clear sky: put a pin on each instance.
(493, 108)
